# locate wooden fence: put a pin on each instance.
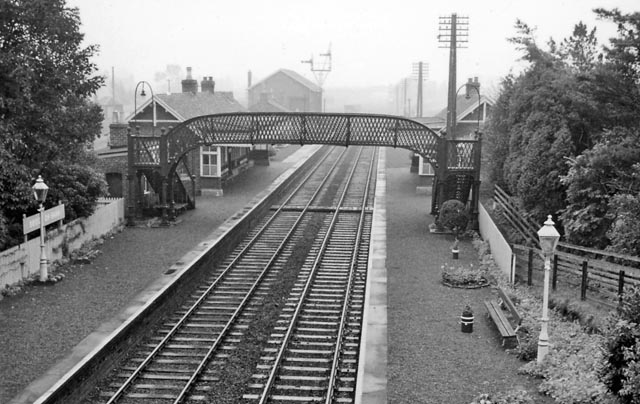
(23, 261)
(596, 274)
(592, 279)
(505, 204)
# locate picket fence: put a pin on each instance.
(23, 261)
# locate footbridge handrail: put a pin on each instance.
(456, 162)
(304, 128)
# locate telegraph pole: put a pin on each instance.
(453, 34)
(421, 70)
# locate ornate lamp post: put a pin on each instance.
(467, 86)
(153, 106)
(476, 87)
(549, 237)
(40, 190)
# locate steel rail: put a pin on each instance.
(274, 369)
(205, 360)
(349, 289)
(144, 364)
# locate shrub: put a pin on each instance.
(570, 369)
(527, 348)
(453, 216)
(621, 369)
(576, 310)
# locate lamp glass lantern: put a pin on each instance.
(549, 237)
(40, 190)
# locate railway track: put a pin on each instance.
(278, 320)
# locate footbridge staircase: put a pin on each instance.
(157, 158)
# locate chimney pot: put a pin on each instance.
(189, 85)
(207, 84)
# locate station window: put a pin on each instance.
(425, 168)
(209, 161)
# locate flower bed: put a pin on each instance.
(465, 277)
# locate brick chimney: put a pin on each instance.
(470, 92)
(118, 135)
(207, 84)
(189, 85)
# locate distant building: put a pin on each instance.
(211, 166)
(285, 89)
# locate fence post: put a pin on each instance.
(620, 284)
(554, 278)
(512, 275)
(530, 268)
(583, 284)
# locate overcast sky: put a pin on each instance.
(373, 42)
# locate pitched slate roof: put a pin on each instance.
(294, 76)
(190, 105)
(462, 104)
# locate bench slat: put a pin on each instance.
(510, 306)
(499, 318)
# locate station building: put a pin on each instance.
(210, 167)
(285, 89)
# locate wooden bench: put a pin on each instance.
(504, 313)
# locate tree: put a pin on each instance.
(601, 185)
(580, 50)
(624, 53)
(46, 81)
(534, 126)
(560, 107)
(624, 232)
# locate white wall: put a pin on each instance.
(22, 261)
(500, 249)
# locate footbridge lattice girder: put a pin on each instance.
(291, 128)
(446, 156)
(308, 128)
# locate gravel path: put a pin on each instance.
(430, 360)
(39, 327)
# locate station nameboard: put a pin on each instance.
(32, 222)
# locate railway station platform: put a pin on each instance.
(45, 332)
(415, 350)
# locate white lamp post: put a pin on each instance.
(549, 237)
(40, 190)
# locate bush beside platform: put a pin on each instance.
(592, 351)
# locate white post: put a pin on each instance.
(43, 255)
(549, 238)
(543, 340)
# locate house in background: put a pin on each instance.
(282, 91)
(208, 166)
(286, 89)
(472, 110)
